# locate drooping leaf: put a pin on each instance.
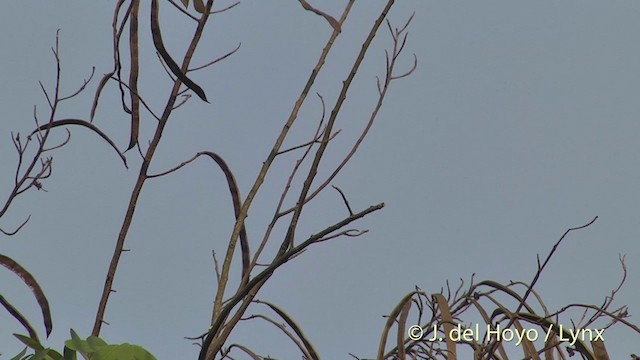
(133, 74)
(447, 322)
(330, 19)
(31, 343)
(173, 66)
(18, 316)
(20, 354)
(31, 282)
(599, 350)
(40, 354)
(87, 125)
(296, 328)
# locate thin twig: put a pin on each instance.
(344, 199)
(217, 60)
(142, 176)
(537, 276)
(218, 307)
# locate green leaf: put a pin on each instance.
(20, 355)
(54, 355)
(74, 343)
(95, 342)
(84, 347)
(122, 352)
(31, 343)
(40, 354)
(69, 354)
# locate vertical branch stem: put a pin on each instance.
(142, 176)
(265, 168)
(288, 241)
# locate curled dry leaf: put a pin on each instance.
(173, 66)
(133, 75)
(332, 21)
(31, 282)
(86, 124)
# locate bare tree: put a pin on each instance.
(32, 170)
(302, 186)
(490, 320)
(230, 305)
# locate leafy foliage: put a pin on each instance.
(92, 348)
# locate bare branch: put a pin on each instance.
(61, 144)
(82, 87)
(344, 199)
(349, 233)
(235, 197)
(46, 95)
(290, 236)
(138, 97)
(218, 59)
(153, 144)
(216, 267)
(183, 10)
(316, 140)
(24, 180)
(382, 94)
(185, 98)
(225, 8)
(522, 302)
(11, 233)
(260, 180)
(408, 72)
(254, 284)
(306, 346)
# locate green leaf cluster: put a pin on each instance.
(93, 348)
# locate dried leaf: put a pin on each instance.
(599, 350)
(31, 282)
(87, 125)
(133, 75)
(402, 329)
(447, 324)
(332, 21)
(175, 69)
(199, 6)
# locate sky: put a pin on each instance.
(520, 122)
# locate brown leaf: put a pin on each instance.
(31, 282)
(447, 324)
(133, 75)
(199, 6)
(86, 124)
(175, 69)
(332, 21)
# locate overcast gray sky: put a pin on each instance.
(521, 121)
